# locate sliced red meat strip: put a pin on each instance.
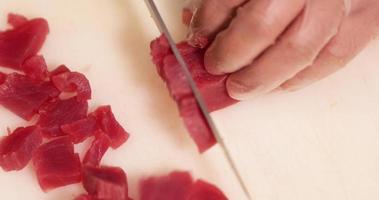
(35, 67)
(97, 149)
(108, 123)
(59, 112)
(2, 78)
(174, 186)
(60, 69)
(81, 129)
(21, 42)
(17, 149)
(105, 182)
(24, 96)
(202, 190)
(16, 20)
(212, 88)
(56, 164)
(73, 82)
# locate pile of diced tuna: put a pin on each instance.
(58, 101)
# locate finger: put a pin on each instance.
(187, 13)
(257, 25)
(296, 50)
(209, 18)
(357, 30)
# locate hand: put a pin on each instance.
(287, 44)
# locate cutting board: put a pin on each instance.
(318, 143)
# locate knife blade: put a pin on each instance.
(199, 99)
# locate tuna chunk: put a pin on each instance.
(212, 88)
(204, 191)
(17, 149)
(97, 149)
(60, 112)
(60, 69)
(178, 186)
(105, 182)
(2, 78)
(110, 126)
(84, 197)
(23, 41)
(35, 67)
(24, 96)
(56, 164)
(174, 186)
(81, 129)
(73, 82)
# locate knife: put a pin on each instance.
(199, 99)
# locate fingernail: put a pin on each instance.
(239, 90)
(211, 63)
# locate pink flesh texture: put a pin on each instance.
(60, 69)
(109, 125)
(60, 112)
(24, 96)
(105, 182)
(73, 82)
(17, 148)
(97, 149)
(16, 20)
(204, 191)
(35, 67)
(2, 77)
(21, 42)
(81, 129)
(84, 197)
(212, 88)
(56, 164)
(175, 186)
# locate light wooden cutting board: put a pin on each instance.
(321, 143)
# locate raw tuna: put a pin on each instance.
(23, 41)
(56, 164)
(59, 112)
(35, 67)
(108, 183)
(204, 191)
(17, 148)
(81, 129)
(60, 69)
(175, 186)
(178, 186)
(108, 123)
(211, 87)
(97, 149)
(73, 82)
(16, 20)
(2, 78)
(24, 96)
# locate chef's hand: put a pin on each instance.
(287, 44)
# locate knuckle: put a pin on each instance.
(302, 50)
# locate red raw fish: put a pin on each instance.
(17, 149)
(81, 129)
(24, 96)
(97, 149)
(60, 112)
(2, 78)
(108, 123)
(105, 182)
(73, 82)
(202, 190)
(21, 42)
(174, 186)
(35, 67)
(178, 186)
(212, 88)
(56, 164)
(60, 69)
(16, 20)
(84, 197)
